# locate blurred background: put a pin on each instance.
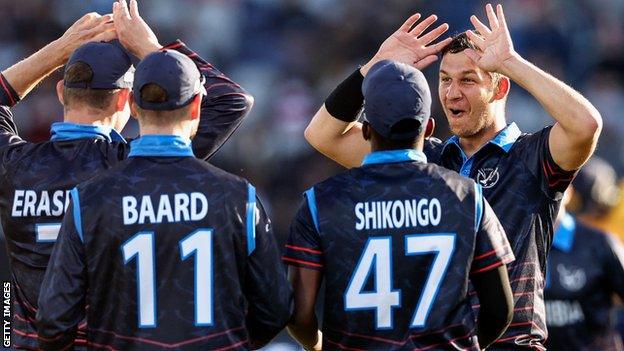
(290, 53)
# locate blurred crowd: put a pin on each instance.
(290, 53)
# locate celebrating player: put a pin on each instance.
(165, 249)
(585, 272)
(37, 177)
(523, 175)
(414, 229)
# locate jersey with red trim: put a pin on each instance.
(524, 186)
(36, 179)
(167, 252)
(396, 243)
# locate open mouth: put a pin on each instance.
(457, 112)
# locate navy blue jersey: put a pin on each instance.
(585, 271)
(37, 177)
(165, 251)
(524, 186)
(396, 240)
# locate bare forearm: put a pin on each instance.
(26, 74)
(570, 109)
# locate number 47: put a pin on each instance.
(378, 255)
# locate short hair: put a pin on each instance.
(81, 73)
(461, 42)
(154, 93)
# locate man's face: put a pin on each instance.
(465, 91)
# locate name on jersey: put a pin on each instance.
(397, 214)
(28, 203)
(164, 208)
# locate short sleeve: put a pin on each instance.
(303, 248)
(537, 157)
(614, 264)
(492, 248)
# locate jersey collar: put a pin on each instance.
(161, 146)
(64, 131)
(394, 156)
(504, 139)
(564, 236)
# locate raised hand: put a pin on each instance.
(134, 34)
(411, 45)
(90, 27)
(494, 43)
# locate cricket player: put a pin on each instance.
(523, 175)
(585, 272)
(37, 177)
(397, 239)
(165, 250)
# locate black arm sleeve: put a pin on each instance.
(496, 301)
(222, 110)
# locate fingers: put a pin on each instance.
(436, 48)
(476, 39)
(434, 34)
(422, 26)
(134, 9)
(501, 16)
(479, 26)
(422, 64)
(124, 13)
(105, 36)
(405, 27)
(491, 17)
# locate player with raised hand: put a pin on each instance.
(37, 177)
(166, 250)
(396, 240)
(523, 175)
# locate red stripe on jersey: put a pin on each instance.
(299, 248)
(488, 268)
(302, 262)
(340, 346)
(6, 89)
(487, 254)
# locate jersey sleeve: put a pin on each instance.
(222, 110)
(492, 248)
(303, 248)
(433, 150)
(537, 157)
(614, 264)
(63, 291)
(8, 129)
(267, 289)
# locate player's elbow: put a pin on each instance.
(590, 125)
(248, 102)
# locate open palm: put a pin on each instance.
(494, 43)
(410, 46)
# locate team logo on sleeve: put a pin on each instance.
(487, 177)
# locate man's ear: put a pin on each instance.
(133, 106)
(60, 88)
(430, 127)
(502, 88)
(366, 131)
(122, 99)
(196, 106)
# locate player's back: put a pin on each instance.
(168, 243)
(34, 194)
(399, 241)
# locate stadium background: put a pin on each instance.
(290, 53)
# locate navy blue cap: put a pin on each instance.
(394, 92)
(172, 71)
(110, 63)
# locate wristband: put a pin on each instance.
(345, 102)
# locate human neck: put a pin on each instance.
(472, 144)
(177, 129)
(88, 117)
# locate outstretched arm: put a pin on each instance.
(333, 130)
(225, 106)
(574, 136)
(26, 74)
